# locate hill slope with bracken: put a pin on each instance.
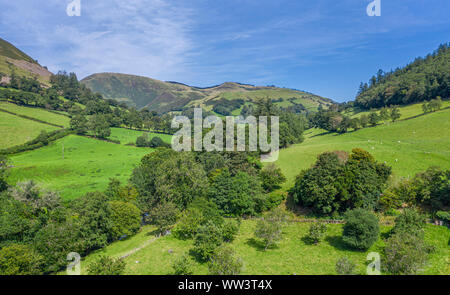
(13, 60)
(172, 96)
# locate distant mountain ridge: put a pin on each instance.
(143, 92)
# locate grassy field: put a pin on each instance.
(87, 165)
(36, 113)
(15, 130)
(407, 146)
(126, 136)
(291, 255)
(407, 111)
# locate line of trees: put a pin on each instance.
(335, 121)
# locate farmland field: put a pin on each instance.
(36, 113)
(291, 256)
(15, 130)
(126, 136)
(407, 146)
(406, 112)
(86, 166)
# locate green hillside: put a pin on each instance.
(9, 50)
(155, 256)
(75, 165)
(20, 124)
(15, 130)
(36, 113)
(407, 111)
(408, 146)
(170, 96)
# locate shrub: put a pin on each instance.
(182, 266)
(125, 218)
(317, 231)
(236, 195)
(345, 266)
(361, 229)
(334, 184)
(156, 142)
(166, 175)
(409, 221)
(164, 215)
(79, 124)
(272, 177)
(189, 223)
(207, 239)
(225, 262)
(405, 253)
(432, 187)
(93, 214)
(142, 141)
(229, 230)
(20, 260)
(443, 215)
(55, 241)
(269, 228)
(273, 199)
(390, 200)
(200, 212)
(106, 266)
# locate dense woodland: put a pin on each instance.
(424, 79)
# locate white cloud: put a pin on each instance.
(135, 36)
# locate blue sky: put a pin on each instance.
(321, 46)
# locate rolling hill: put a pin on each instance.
(172, 96)
(13, 59)
(408, 146)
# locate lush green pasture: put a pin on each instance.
(36, 113)
(15, 130)
(292, 255)
(407, 111)
(87, 165)
(407, 146)
(126, 136)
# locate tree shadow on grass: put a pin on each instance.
(196, 256)
(308, 241)
(337, 242)
(385, 235)
(154, 232)
(258, 245)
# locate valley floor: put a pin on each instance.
(292, 255)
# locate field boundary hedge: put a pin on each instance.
(31, 118)
(36, 143)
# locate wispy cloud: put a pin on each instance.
(300, 44)
(139, 37)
